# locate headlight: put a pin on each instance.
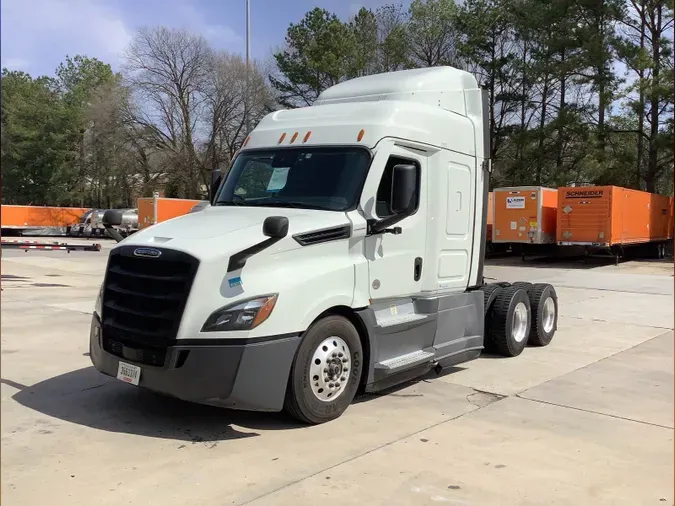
(242, 315)
(99, 299)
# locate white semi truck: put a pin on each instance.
(342, 251)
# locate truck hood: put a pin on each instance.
(228, 229)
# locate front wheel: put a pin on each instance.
(326, 371)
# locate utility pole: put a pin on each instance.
(248, 31)
(248, 59)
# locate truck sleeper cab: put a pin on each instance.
(343, 250)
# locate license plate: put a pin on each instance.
(128, 373)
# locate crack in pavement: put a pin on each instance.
(564, 406)
(611, 290)
(521, 395)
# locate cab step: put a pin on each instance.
(405, 361)
(390, 321)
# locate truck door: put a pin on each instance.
(396, 262)
(454, 191)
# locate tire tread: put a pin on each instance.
(500, 335)
(535, 293)
(292, 406)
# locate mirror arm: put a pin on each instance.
(382, 226)
(238, 260)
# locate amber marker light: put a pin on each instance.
(246, 141)
(281, 139)
(264, 311)
(295, 136)
(307, 136)
(360, 136)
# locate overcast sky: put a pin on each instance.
(37, 34)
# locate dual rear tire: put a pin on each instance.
(519, 314)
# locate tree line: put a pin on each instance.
(93, 137)
(580, 91)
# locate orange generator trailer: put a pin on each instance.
(524, 215)
(612, 218)
(155, 209)
(24, 218)
(490, 218)
(492, 248)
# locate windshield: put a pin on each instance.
(328, 179)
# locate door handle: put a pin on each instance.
(418, 269)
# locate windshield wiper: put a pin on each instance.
(295, 204)
(275, 203)
(284, 203)
(231, 202)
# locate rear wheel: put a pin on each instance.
(510, 322)
(490, 293)
(544, 303)
(525, 285)
(662, 251)
(326, 371)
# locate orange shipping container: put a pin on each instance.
(611, 215)
(672, 218)
(27, 217)
(490, 217)
(153, 210)
(524, 214)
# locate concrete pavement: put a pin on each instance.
(586, 420)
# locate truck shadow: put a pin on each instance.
(87, 398)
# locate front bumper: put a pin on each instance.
(243, 375)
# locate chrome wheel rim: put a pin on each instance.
(330, 369)
(548, 315)
(519, 326)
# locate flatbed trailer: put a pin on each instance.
(52, 246)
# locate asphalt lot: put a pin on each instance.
(586, 420)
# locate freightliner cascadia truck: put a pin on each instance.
(342, 252)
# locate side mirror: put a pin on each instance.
(215, 183)
(275, 227)
(112, 217)
(404, 188)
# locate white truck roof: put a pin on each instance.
(413, 104)
(414, 85)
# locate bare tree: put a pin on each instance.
(230, 105)
(168, 71)
(392, 42)
(105, 141)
